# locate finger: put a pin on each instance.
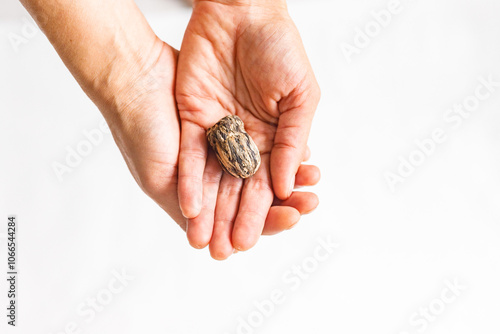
(303, 202)
(199, 229)
(192, 159)
(290, 145)
(228, 201)
(256, 199)
(307, 154)
(307, 176)
(279, 219)
(284, 215)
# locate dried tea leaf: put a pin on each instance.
(235, 149)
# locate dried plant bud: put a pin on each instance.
(235, 149)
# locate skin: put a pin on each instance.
(130, 74)
(241, 58)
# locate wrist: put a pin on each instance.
(124, 80)
(121, 57)
(122, 70)
(247, 3)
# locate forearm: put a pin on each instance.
(103, 43)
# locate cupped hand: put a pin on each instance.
(245, 60)
(129, 73)
(147, 131)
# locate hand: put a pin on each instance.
(246, 60)
(147, 132)
(130, 75)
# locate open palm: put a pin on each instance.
(250, 62)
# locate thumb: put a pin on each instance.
(290, 144)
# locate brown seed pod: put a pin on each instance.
(235, 149)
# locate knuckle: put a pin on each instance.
(186, 178)
(222, 221)
(192, 153)
(212, 177)
(286, 145)
(261, 186)
(230, 190)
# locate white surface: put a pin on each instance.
(396, 249)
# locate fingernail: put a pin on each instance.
(235, 251)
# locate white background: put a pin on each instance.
(396, 249)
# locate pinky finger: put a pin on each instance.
(280, 218)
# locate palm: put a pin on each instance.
(258, 72)
(147, 131)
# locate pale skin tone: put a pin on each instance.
(251, 63)
(134, 79)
